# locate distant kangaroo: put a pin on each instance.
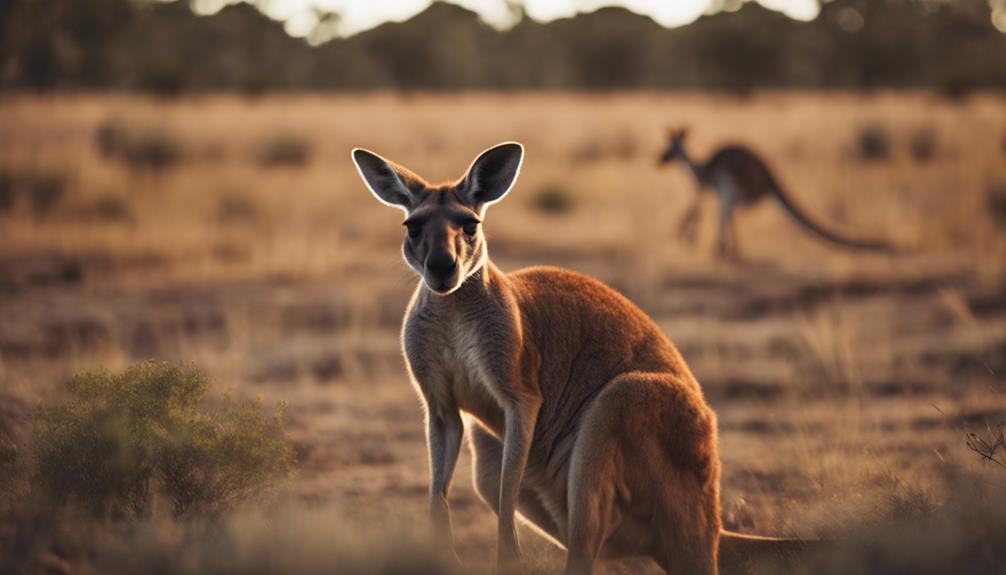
(582, 414)
(740, 178)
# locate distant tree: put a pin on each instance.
(61, 43)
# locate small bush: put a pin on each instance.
(126, 438)
(235, 208)
(140, 148)
(874, 143)
(996, 200)
(40, 191)
(923, 145)
(552, 199)
(110, 207)
(110, 138)
(284, 150)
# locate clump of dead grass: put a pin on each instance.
(39, 190)
(552, 199)
(284, 150)
(873, 143)
(139, 147)
(990, 444)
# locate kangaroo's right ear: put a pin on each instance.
(390, 183)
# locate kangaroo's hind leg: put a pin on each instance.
(644, 476)
(591, 499)
(487, 459)
(727, 240)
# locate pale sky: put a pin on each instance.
(358, 15)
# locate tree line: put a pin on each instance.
(165, 48)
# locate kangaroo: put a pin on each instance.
(740, 179)
(582, 415)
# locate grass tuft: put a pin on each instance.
(552, 199)
(284, 150)
(873, 143)
(41, 191)
(140, 148)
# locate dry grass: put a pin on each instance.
(841, 380)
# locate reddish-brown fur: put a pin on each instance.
(581, 414)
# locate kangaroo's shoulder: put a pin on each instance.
(736, 155)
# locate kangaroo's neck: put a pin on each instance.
(698, 171)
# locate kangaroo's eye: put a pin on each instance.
(470, 228)
(413, 229)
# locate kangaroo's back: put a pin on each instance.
(749, 173)
(568, 314)
(586, 334)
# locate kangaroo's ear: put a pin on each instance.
(390, 183)
(492, 175)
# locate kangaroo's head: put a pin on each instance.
(675, 145)
(443, 241)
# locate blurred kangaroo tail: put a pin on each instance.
(742, 553)
(815, 228)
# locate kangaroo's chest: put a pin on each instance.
(448, 360)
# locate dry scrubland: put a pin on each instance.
(236, 234)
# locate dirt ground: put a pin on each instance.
(840, 379)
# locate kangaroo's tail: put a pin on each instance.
(741, 553)
(815, 228)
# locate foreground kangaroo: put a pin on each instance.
(740, 178)
(583, 416)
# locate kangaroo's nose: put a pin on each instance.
(440, 264)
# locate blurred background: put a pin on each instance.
(175, 184)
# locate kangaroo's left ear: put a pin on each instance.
(492, 175)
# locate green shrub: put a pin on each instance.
(552, 199)
(284, 150)
(124, 439)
